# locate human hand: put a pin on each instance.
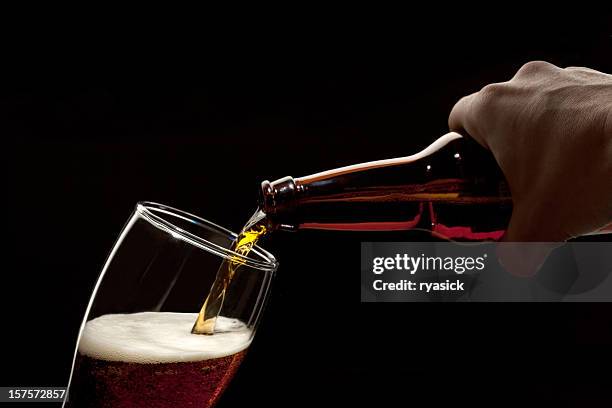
(550, 130)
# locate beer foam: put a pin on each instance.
(160, 337)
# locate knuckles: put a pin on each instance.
(493, 90)
(490, 95)
(534, 67)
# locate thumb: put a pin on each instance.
(528, 223)
(524, 259)
(525, 247)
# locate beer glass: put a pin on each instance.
(135, 346)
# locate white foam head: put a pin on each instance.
(152, 337)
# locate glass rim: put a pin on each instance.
(147, 208)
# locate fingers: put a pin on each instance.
(478, 114)
(519, 226)
(526, 223)
(464, 118)
(518, 255)
(523, 260)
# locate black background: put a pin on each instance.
(95, 120)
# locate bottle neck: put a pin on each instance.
(278, 200)
(379, 164)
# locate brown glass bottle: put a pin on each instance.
(453, 188)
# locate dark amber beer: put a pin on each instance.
(152, 360)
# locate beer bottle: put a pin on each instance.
(453, 188)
